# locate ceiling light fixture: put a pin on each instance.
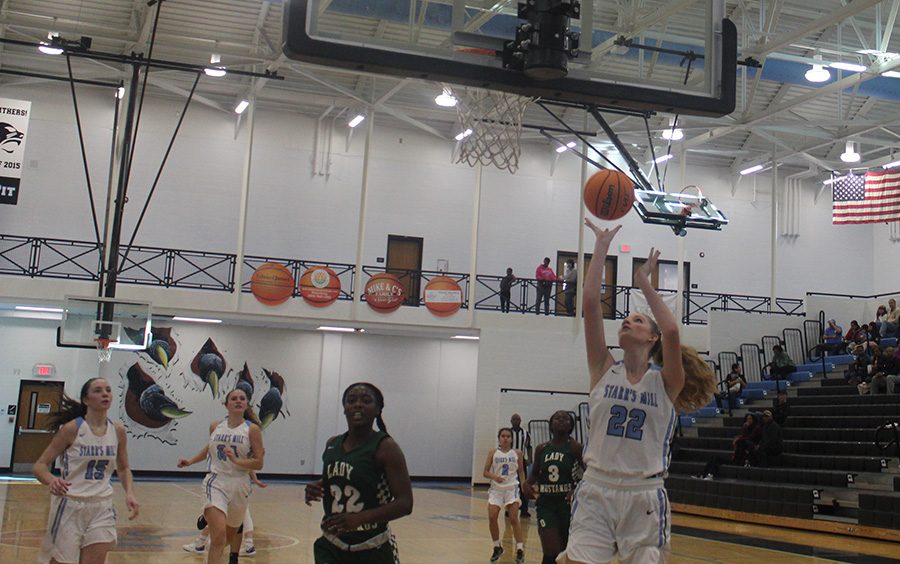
(672, 133)
(40, 309)
(196, 319)
(215, 71)
(337, 329)
(53, 45)
(566, 147)
(852, 67)
(466, 337)
(445, 99)
(818, 73)
(463, 134)
(356, 120)
(850, 155)
(751, 170)
(894, 164)
(891, 74)
(663, 158)
(120, 92)
(241, 106)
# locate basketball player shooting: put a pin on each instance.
(621, 509)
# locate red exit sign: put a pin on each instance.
(44, 370)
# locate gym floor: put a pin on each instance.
(448, 525)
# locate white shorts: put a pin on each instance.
(229, 495)
(76, 523)
(631, 524)
(502, 498)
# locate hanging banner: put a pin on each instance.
(13, 128)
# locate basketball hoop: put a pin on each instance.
(490, 125)
(104, 353)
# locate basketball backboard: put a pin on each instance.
(126, 324)
(678, 210)
(676, 56)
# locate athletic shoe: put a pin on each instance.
(520, 556)
(233, 558)
(196, 547)
(248, 550)
(498, 552)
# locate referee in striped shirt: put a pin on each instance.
(521, 440)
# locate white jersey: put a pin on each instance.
(506, 464)
(89, 462)
(237, 440)
(631, 428)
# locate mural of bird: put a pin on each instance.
(245, 382)
(146, 403)
(209, 365)
(162, 347)
(272, 402)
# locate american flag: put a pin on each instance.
(873, 198)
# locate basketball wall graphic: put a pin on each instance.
(272, 283)
(443, 296)
(320, 286)
(384, 292)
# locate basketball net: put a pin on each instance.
(491, 123)
(104, 353)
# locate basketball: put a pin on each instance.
(320, 286)
(384, 292)
(609, 194)
(272, 284)
(443, 296)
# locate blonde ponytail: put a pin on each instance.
(699, 381)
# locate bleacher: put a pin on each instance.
(831, 468)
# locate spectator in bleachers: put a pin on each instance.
(780, 407)
(886, 366)
(854, 335)
(891, 320)
(781, 366)
(734, 384)
(858, 370)
(832, 339)
(873, 334)
(770, 444)
(745, 443)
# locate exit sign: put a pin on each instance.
(44, 370)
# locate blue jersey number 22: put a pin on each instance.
(617, 426)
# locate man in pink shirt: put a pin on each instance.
(545, 279)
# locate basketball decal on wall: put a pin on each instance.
(443, 296)
(609, 194)
(384, 293)
(272, 283)
(320, 286)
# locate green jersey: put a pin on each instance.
(353, 482)
(557, 470)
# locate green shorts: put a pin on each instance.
(553, 513)
(326, 553)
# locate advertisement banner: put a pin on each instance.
(14, 116)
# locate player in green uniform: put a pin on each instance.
(557, 464)
(365, 484)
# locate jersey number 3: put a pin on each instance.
(96, 469)
(617, 426)
(350, 501)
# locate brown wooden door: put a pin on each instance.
(404, 259)
(37, 400)
(609, 280)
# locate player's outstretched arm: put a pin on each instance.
(672, 371)
(598, 357)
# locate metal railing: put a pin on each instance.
(182, 268)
